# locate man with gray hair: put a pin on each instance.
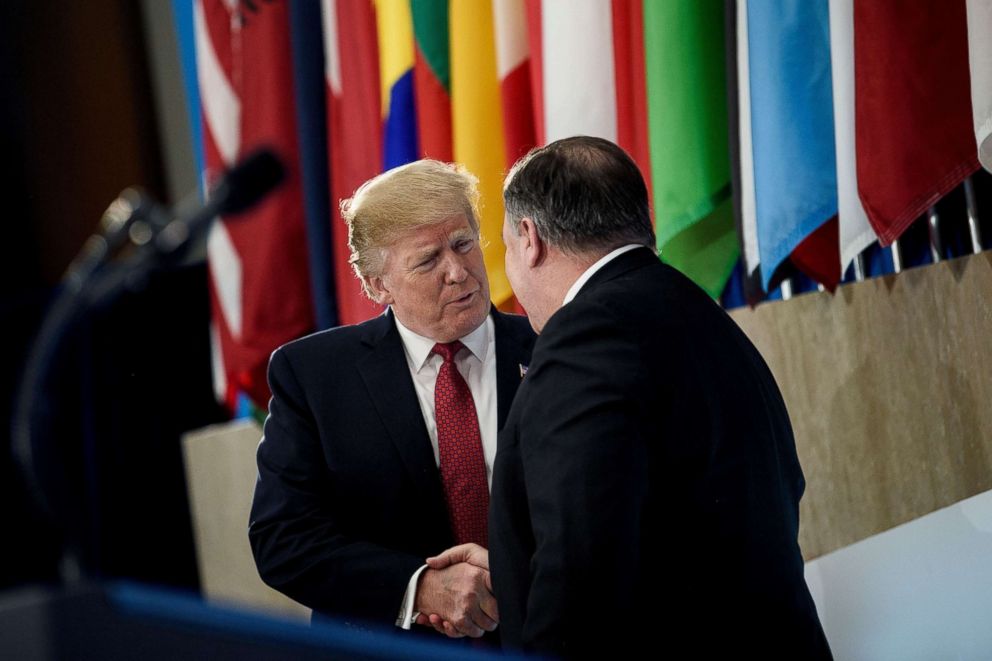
(646, 490)
(379, 444)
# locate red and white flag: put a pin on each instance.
(855, 232)
(260, 284)
(354, 131)
(587, 72)
(513, 67)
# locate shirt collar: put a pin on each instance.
(418, 348)
(589, 272)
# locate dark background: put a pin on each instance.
(78, 125)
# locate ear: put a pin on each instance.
(534, 248)
(379, 290)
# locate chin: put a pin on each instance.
(469, 320)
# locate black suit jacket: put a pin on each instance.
(349, 502)
(646, 488)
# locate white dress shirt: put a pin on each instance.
(477, 366)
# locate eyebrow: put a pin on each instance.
(432, 251)
(464, 233)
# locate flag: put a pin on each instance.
(687, 119)
(477, 123)
(513, 68)
(535, 45)
(183, 15)
(818, 256)
(395, 29)
(260, 288)
(913, 123)
(579, 87)
(351, 64)
(587, 73)
(631, 86)
(792, 136)
(980, 64)
(854, 231)
(745, 281)
(311, 118)
(432, 78)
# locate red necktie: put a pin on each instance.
(463, 467)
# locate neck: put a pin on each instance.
(558, 274)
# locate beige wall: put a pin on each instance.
(889, 385)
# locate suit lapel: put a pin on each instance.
(392, 393)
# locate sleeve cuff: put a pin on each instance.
(407, 615)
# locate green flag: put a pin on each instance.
(687, 127)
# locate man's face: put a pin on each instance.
(435, 279)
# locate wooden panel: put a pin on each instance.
(220, 474)
(889, 385)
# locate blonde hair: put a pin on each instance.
(414, 195)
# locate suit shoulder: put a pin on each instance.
(332, 340)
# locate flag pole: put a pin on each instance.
(859, 267)
(933, 227)
(974, 230)
(896, 257)
(786, 289)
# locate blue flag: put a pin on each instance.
(307, 42)
(792, 124)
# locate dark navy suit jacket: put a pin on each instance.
(349, 502)
(646, 487)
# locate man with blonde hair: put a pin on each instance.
(380, 440)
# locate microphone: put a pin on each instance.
(239, 188)
(248, 182)
(115, 224)
(137, 219)
(149, 238)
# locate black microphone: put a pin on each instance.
(239, 188)
(150, 238)
(137, 219)
(248, 182)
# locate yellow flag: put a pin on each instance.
(477, 124)
(395, 30)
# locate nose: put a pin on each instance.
(454, 268)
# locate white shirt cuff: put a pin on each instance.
(407, 614)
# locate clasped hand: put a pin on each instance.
(455, 594)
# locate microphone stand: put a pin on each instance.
(148, 239)
(90, 283)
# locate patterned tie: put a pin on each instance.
(463, 467)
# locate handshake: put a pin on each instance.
(455, 593)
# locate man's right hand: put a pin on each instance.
(455, 596)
